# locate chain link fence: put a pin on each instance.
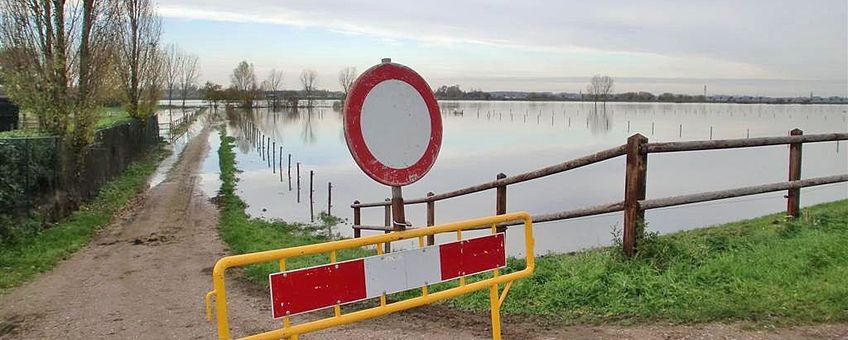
(30, 169)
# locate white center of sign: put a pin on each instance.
(395, 124)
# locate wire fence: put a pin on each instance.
(30, 176)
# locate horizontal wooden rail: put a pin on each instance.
(547, 171)
(741, 143)
(745, 191)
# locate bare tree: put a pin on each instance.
(173, 69)
(55, 61)
(600, 87)
(309, 80)
(273, 84)
(346, 77)
(138, 62)
(243, 81)
(190, 71)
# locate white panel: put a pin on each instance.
(395, 272)
(395, 124)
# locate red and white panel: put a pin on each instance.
(309, 289)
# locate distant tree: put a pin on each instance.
(274, 84)
(190, 71)
(173, 68)
(138, 59)
(309, 80)
(346, 77)
(243, 81)
(212, 93)
(450, 92)
(600, 87)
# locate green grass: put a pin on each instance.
(764, 270)
(109, 116)
(246, 235)
(40, 252)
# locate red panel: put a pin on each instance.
(472, 256)
(314, 288)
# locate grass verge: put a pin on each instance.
(764, 270)
(244, 234)
(41, 251)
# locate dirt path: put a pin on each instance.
(144, 276)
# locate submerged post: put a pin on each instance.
(329, 198)
(298, 182)
(311, 200)
(793, 202)
(634, 190)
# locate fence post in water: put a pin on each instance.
(273, 157)
(634, 190)
(298, 182)
(387, 221)
(500, 199)
(281, 163)
(311, 200)
(357, 219)
(793, 201)
(431, 217)
(329, 198)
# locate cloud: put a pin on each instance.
(788, 39)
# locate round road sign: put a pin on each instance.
(392, 124)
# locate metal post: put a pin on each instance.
(290, 187)
(500, 200)
(793, 201)
(357, 219)
(281, 163)
(399, 218)
(329, 198)
(273, 157)
(311, 200)
(298, 182)
(634, 190)
(431, 217)
(495, 306)
(387, 221)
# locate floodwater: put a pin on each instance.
(482, 139)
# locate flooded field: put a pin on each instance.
(482, 139)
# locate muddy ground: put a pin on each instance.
(144, 277)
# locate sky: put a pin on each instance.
(771, 48)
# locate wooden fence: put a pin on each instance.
(635, 203)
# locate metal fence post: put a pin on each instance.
(793, 201)
(431, 217)
(634, 190)
(500, 198)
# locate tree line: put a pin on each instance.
(246, 91)
(62, 61)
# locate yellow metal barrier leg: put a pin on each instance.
(496, 312)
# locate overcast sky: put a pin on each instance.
(751, 47)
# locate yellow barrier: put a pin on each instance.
(292, 331)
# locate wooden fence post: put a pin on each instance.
(387, 221)
(500, 200)
(793, 201)
(431, 218)
(357, 220)
(634, 190)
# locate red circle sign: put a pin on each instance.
(392, 124)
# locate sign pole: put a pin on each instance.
(398, 216)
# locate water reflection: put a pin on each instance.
(482, 139)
